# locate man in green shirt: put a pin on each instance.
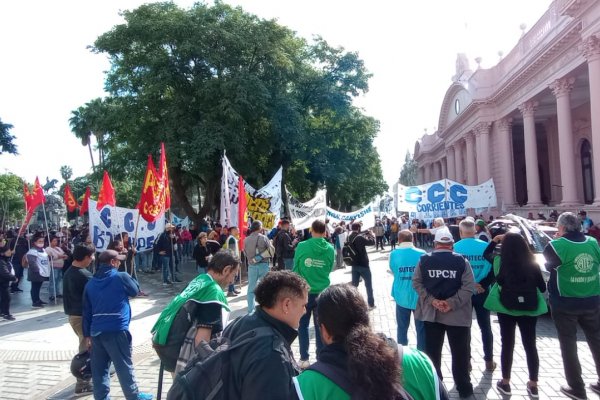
(314, 260)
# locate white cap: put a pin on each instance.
(443, 236)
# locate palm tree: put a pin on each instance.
(89, 120)
(79, 126)
(66, 172)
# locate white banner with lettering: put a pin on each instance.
(366, 215)
(445, 198)
(110, 221)
(303, 214)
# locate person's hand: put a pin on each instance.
(498, 238)
(162, 253)
(480, 289)
(88, 342)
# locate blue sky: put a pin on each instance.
(410, 47)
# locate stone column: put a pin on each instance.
(505, 155)
(482, 135)
(451, 164)
(471, 168)
(443, 162)
(458, 158)
(566, 147)
(591, 52)
(531, 157)
(427, 171)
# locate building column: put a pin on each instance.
(451, 164)
(438, 170)
(566, 147)
(506, 161)
(443, 162)
(458, 158)
(471, 168)
(591, 52)
(426, 173)
(534, 198)
(482, 136)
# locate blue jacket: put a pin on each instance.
(106, 301)
(472, 249)
(402, 263)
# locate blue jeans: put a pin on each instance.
(143, 261)
(483, 320)
(200, 270)
(311, 308)
(403, 321)
(55, 288)
(288, 263)
(365, 272)
(115, 347)
(255, 273)
(167, 268)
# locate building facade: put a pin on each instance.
(531, 122)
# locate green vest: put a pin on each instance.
(577, 276)
(419, 379)
(203, 289)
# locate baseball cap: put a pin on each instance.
(582, 212)
(480, 222)
(443, 236)
(107, 255)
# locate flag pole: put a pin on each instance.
(51, 266)
(18, 234)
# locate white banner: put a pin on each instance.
(184, 222)
(365, 215)
(111, 221)
(445, 198)
(303, 214)
(264, 204)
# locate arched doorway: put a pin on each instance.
(587, 172)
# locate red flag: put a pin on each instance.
(164, 175)
(84, 204)
(242, 214)
(107, 193)
(70, 199)
(153, 198)
(35, 198)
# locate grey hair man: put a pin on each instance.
(574, 293)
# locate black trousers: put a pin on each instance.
(35, 291)
(4, 299)
(526, 325)
(378, 242)
(459, 339)
(566, 322)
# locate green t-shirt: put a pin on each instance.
(577, 276)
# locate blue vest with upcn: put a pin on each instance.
(441, 273)
(472, 249)
(402, 263)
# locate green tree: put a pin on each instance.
(214, 78)
(12, 205)
(408, 174)
(66, 172)
(6, 139)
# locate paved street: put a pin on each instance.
(36, 349)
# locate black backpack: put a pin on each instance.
(206, 375)
(349, 253)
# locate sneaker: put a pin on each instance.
(231, 294)
(145, 396)
(237, 291)
(304, 364)
(8, 317)
(51, 298)
(43, 302)
(371, 308)
(37, 305)
(595, 387)
(177, 280)
(532, 391)
(16, 290)
(88, 388)
(490, 365)
(167, 283)
(572, 394)
(503, 388)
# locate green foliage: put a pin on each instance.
(66, 172)
(408, 174)
(214, 78)
(6, 139)
(12, 205)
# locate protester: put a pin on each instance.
(57, 259)
(284, 246)
(574, 292)
(394, 229)
(264, 370)
(481, 231)
(164, 247)
(339, 238)
(20, 245)
(201, 253)
(259, 252)
(232, 243)
(402, 263)
(445, 285)
(7, 275)
(314, 260)
(106, 318)
(472, 249)
(360, 264)
(199, 306)
(368, 362)
(379, 231)
(518, 275)
(586, 222)
(187, 241)
(74, 281)
(38, 270)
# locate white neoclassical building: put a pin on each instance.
(532, 122)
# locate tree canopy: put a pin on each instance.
(6, 139)
(12, 205)
(408, 174)
(214, 78)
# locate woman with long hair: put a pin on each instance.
(201, 253)
(517, 299)
(358, 363)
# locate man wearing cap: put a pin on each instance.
(481, 232)
(444, 283)
(106, 317)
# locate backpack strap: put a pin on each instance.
(335, 374)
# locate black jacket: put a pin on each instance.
(74, 282)
(284, 247)
(359, 244)
(5, 271)
(262, 370)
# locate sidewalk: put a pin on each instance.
(36, 349)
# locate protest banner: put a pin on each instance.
(303, 214)
(366, 215)
(110, 221)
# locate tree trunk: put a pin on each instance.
(179, 191)
(91, 155)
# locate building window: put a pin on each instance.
(587, 172)
(457, 106)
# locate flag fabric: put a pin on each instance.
(107, 194)
(152, 202)
(35, 198)
(242, 212)
(164, 175)
(70, 199)
(84, 204)
(225, 209)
